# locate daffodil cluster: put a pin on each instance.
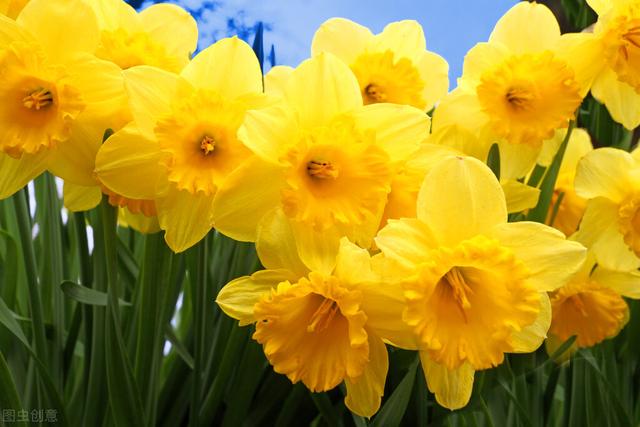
(361, 179)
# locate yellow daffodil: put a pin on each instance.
(475, 286)
(322, 158)
(12, 8)
(316, 327)
(610, 179)
(571, 207)
(518, 88)
(183, 144)
(162, 35)
(57, 98)
(393, 66)
(616, 59)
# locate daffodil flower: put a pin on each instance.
(322, 159)
(519, 87)
(615, 59)
(393, 66)
(475, 286)
(57, 97)
(321, 328)
(182, 144)
(610, 180)
(12, 8)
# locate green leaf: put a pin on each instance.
(86, 295)
(493, 160)
(178, 346)
(9, 398)
(393, 410)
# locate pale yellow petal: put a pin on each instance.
(114, 14)
(403, 38)
(322, 88)
(276, 245)
(331, 35)
(579, 146)
(549, 257)
(517, 160)
(275, 81)
(621, 99)
(317, 249)
(353, 264)
(600, 232)
(460, 108)
(519, 196)
(16, 173)
(479, 59)
(461, 198)
(626, 283)
(74, 159)
(63, 27)
(364, 393)
(605, 172)
(173, 28)
(129, 164)
(460, 140)
(601, 6)
(527, 27)
(245, 196)
(434, 72)
(583, 53)
(238, 297)
(240, 74)
(451, 387)
(531, 337)
(78, 198)
(399, 129)
(139, 222)
(185, 217)
(11, 32)
(408, 241)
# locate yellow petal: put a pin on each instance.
(322, 88)
(601, 6)
(316, 248)
(238, 297)
(228, 67)
(549, 257)
(11, 32)
(461, 198)
(434, 71)
(151, 91)
(531, 337)
(479, 59)
(139, 222)
(460, 140)
(460, 107)
(527, 27)
(173, 28)
(63, 27)
(128, 163)
(519, 196)
(578, 147)
(16, 173)
(451, 387)
(517, 160)
(621, 99)
(399, 129)
(583, 52)
(625, 283)
(185, 217)
(245, 196)
(331, 36)
(365, 392)
(353, 264)
(407, 240)
(74, 159)
(78, 198)
(275, 81)
(599, 231)
(605, 172)
(276, 245)
(269, 132)
(114, 14)
(403, 38)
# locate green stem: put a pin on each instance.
(198, 300)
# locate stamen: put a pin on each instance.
(207, 145)
(519, 98)
(375, 93)
(321, 169)
(459, 287)
(323, 316)
(38, 99)
(579, 303)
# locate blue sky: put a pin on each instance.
(451, 27)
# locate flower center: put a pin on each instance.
(454, 283)
(622, 37)
(374, 93)
(519, 98)
(207, 145)
(322, 317)
(38, 99)
(321, 169)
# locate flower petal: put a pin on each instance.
(63, 27)
(434, 71)
(519, 196)
(364, 393)
(407, 241)
(275, 81)
(517, 160)
(621, 99)
(550, 258)
(331, 35)
(461, 198)
(78, 198)
(625, 283)
(527, 27)
(128, 163)
(240, 75)
(316, 248)
(74, 159)
(238, 297)
(245, 196)
(16, 173)
(605, 172)
(451, 387)
(403, 38)
(531, 337)
(399, 129)
(600, 6)
(276, 245)
(185, 217)
(322, 88)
